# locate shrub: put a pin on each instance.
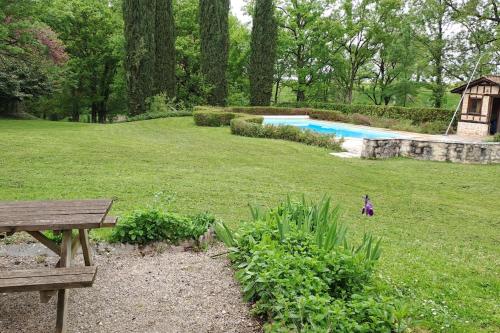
(496, 137)
(329, 115)
(360, 119)
(297, 266)
(153, 224)
(213, 118)
(434, 127)
(251, 127)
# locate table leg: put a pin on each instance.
(63, 294)
(86, 249)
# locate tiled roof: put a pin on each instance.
(488, 79)
(494, 78)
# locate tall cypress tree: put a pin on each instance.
(214, 34)
(165, 48)
(139, 17)
(263, 52)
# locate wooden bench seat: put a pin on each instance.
(47, 279)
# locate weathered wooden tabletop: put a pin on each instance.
(64, 217)
(53, 215)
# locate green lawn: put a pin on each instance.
(439, 221)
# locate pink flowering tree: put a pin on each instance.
(28, 50)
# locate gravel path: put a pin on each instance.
(137, 291)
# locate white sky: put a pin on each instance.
(237, 9)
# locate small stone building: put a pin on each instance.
(480, 111)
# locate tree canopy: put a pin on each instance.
(98, 58)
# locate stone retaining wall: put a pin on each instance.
(462, 152)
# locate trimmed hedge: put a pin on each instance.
(416, 115)
(252, 127)
(213, 118)
(244, 123)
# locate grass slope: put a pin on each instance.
(439, 221)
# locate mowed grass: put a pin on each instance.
(440, 222)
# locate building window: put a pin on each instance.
(475, 105)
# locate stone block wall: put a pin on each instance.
(461, 152)
(472, 129)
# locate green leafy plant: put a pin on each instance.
(296, 265)
(154, 224)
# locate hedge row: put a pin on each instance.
(416, 115)
(213, 118)
(244, 122)
(252, 127)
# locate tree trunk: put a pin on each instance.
(75, 106)
(9, 107)
(276, 92)
(75, 113)
(301, 79)
(94, 108)
(439, 89)
(102, 112)
(301, 96)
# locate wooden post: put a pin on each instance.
(63, 294)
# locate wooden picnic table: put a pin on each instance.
(67, 218)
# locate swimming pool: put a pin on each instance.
(341, 130)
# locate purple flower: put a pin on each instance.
(368, 208)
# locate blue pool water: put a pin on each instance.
(340, 130)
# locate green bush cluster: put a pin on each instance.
(213, 118)
(252, 128)
(154, 224)
(296, 265)
(496, 137)
(417, 115)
